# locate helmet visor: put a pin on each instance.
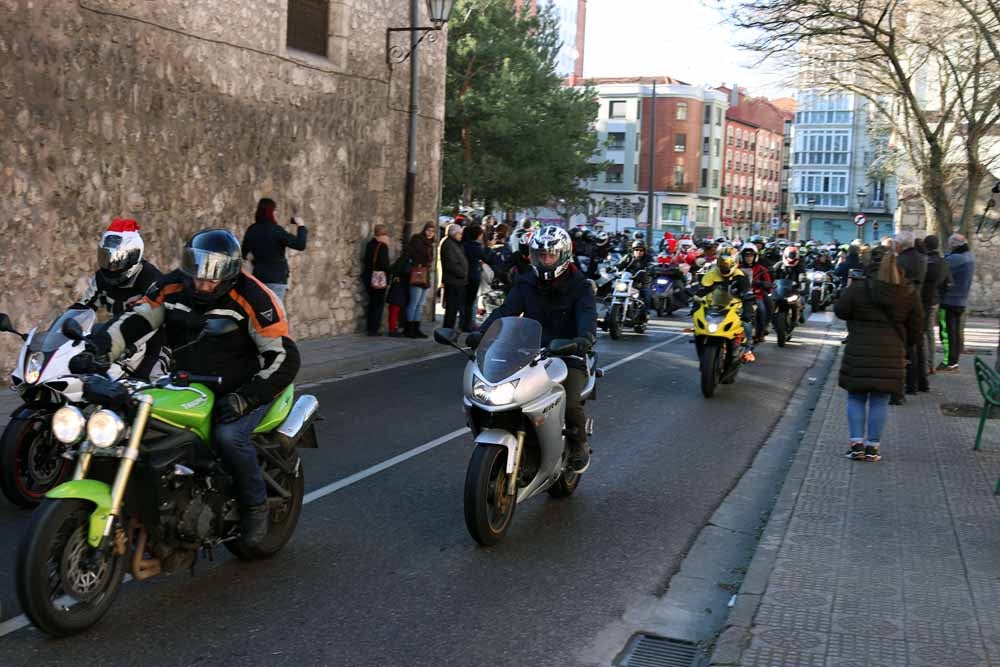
(112, 257)
(726, 265)
(206, 265)
(546, 258)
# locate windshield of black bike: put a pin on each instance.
(51, 338)
(783, 288)
(509, 345)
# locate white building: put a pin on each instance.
(836, 175)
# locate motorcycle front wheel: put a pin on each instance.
(31, 462)
(781, 328)
(711, 369)
(615, 320)
(63, 586)
(489, 510)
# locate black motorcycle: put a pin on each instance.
(787, 305)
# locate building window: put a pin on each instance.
(718, 116)
(674, 213)
(616, 141)
(616, 109)
(678, 175)
(308, 25)
(704, 145)
(701, 214)
(614, 173)
(822, 147)
(718, 148)
(878, 192)
(816, 108)
(824, 188)
(682, 111)
(715, 178)
(704, 178)
(680, 142)
(708, 114)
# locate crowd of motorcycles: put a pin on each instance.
(122, 481)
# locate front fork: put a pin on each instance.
(129, 457)
(512, 480)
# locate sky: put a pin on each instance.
(685, 39)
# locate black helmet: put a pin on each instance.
(576, 234)
(211, 254)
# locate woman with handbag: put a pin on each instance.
(884, 316)
(375, 276)
(417, 260)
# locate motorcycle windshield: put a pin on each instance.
(783, 288)
(510, 344)
(52, 339)
(720, 298)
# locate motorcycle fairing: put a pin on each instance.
(278, 411)
(185, 407)
(93, 491)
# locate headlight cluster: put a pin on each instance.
(500, 394)
(713, 327)
(621, 286)
(33, 369)
(817, 275)
(662, 281)
(103, 429)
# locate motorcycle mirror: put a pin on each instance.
(72, 329)
(219, 326)
(5, 323)
(446, 336)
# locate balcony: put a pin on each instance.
(682, 187)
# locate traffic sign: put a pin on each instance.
(775, 223)
(875, 225)
(860, 220)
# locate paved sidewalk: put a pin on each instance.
(881, 564)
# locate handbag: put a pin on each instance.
(419, 276)
(378, 280)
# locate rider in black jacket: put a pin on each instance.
(256, 362)
(557, 295)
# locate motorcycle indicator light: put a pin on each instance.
(68, 424)
(104, 428)
(33, 369)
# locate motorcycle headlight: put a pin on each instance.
(33, 369)
(500, 394)
(713, 327)
(621, 286)
(68, 424)
(662, 281)
(104, 428)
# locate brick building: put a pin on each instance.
(752, 168)
(687, 150)
(182, 114)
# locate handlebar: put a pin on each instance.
(183, 378)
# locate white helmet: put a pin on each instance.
(684, 245)
(550, 251)
(120, 252)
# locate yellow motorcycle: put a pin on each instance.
(719, 337)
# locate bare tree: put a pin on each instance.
(929, 69)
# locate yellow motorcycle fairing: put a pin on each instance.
(719, 315)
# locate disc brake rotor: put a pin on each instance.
(42, 462)
(83, 576)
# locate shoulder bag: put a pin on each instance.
(378, 280)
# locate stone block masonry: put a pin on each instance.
(182, 114)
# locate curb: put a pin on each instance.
(735, 636)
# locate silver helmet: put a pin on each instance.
(550, 251)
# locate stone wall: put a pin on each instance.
(181, 114)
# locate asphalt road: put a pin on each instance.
(382, 571)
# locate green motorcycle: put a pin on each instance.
(149, 492)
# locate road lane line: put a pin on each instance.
(379, 467)
(633, 357)
(21, 621)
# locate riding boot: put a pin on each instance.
(254, 521)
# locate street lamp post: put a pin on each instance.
(439, 12)
(861, 194)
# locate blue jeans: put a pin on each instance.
(237, 451)
(279, 290)
(877, 405)
(416, 303)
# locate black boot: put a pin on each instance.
(417, 333)
(254, 521)
(409, 330)
(579, 456)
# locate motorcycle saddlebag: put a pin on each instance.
(298, 429)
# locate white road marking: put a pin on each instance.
(378, 369)
(21, 621)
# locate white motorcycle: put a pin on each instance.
(821, 290)
(625, 308)
(515, 405)
(32, 461)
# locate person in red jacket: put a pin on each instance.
(760, 280)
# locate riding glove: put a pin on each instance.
(231, 407)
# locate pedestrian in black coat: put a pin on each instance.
(374, 276)
(454, 274)
(476, 255)
(884, 316)
(938, 279)
(264, 243)
(913, 265)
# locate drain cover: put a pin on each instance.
(967, 410)
(652, 651)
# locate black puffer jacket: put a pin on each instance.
(881, 320)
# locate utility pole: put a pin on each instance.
(411, 147)
(652, 164)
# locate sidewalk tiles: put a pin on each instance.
(880, 564)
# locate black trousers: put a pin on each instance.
(376, 303)
(454, 301)
(916, 367)
(467, 316)
(952, 335)
(576, 420)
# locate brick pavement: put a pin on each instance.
(881, 564)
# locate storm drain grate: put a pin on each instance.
(652, 651)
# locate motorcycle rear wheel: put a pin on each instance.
(781, 328)
(30, 461)
(283, 518)
(615, 317)
(711, 369)
(53, 549)
(489, 510)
